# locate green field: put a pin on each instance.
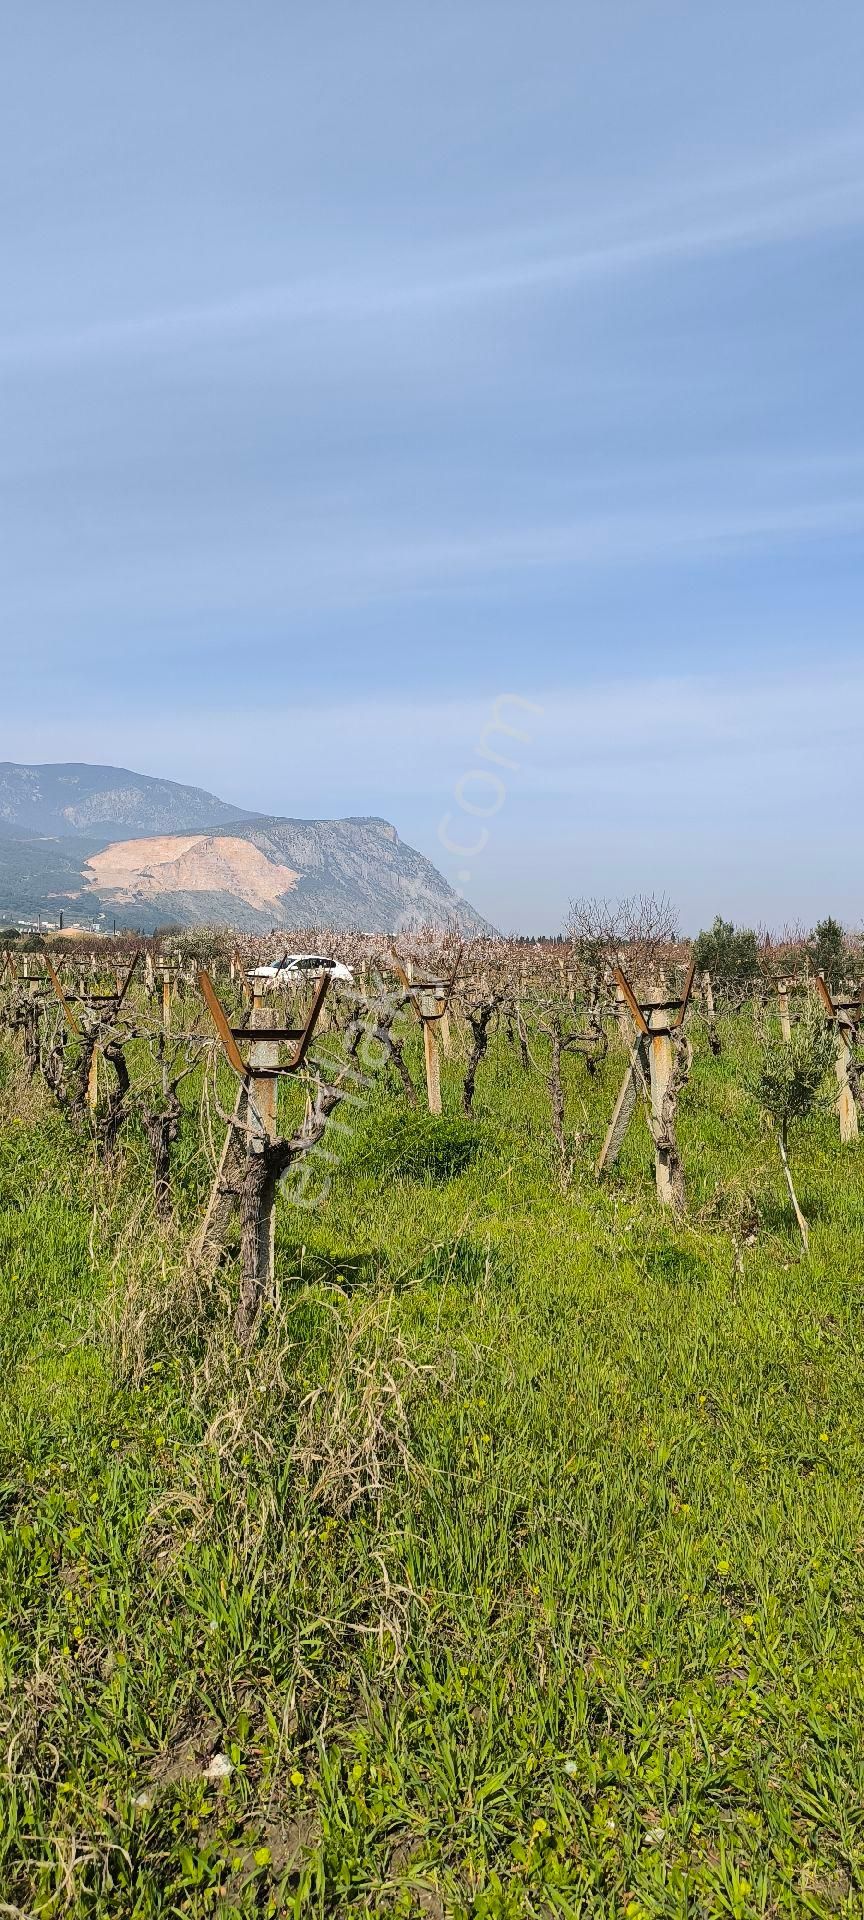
(516, 1570)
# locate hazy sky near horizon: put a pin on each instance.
(362, 364)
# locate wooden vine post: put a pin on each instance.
(624, 1023)
(783, 999)
(845, 1014)
(431, 1010)
(93, 1081)
(660, 1062)
(242, 1175)
(651, 1070)
(262, 1120)
(714, 1040)
(431, 1001)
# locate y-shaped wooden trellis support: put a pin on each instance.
(846, 1015)
(431, 1002)
(649, 1068)
(108, 1004)
(253, 1124)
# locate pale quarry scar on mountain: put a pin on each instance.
(194, 863)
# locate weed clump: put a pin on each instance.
(421, 1146)
(677, 1266)
(464, 1262)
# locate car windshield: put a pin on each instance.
(296, 963)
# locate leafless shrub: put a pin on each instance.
(644, 928)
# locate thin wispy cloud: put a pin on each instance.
(783, 198)
(622, 725)
(349, 570)
(624, 539)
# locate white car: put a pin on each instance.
(293, 965)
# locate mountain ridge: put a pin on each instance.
(39, 789)
(100, 843)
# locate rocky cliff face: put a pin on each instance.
(358, 873)
(255, 873)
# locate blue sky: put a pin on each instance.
(365, 363)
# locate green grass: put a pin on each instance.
(517, 1572)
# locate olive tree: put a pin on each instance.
(790, 1084)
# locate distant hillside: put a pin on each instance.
(102, 843)
(75, 799)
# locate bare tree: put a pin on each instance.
(644, 928)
